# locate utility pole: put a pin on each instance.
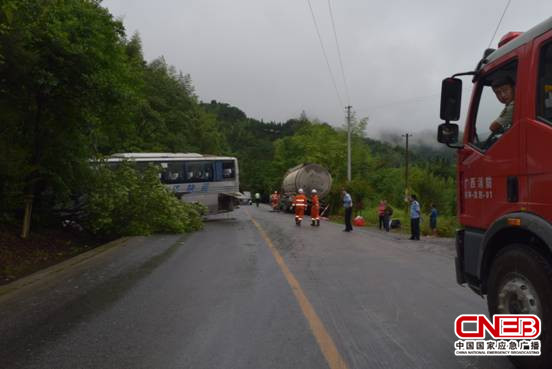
(348, 142)
(406, 166)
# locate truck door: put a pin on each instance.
(490, 161)
(539, 128)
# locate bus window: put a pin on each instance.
(199, 172)
(228, 169)
(173, 172)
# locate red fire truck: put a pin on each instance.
(504, 179)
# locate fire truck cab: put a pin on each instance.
(504, 179)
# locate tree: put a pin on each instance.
(63, 66)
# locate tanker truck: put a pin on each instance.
(305, 176)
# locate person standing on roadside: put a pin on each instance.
(381, 214)
(257, 198)
(414, 218)
(315, 209)
(387, 213)
(275, 200)
(348, 206)
(433, 220)
(300, 204)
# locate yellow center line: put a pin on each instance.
(325, 342)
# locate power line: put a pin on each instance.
(339, 53)
(499, 22)
(325, 55)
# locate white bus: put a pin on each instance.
(210, 180)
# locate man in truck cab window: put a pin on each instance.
(504, 90)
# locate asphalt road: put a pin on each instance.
(252, 291)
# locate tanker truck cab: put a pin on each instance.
(504, 179)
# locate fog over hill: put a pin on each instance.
(423, 142)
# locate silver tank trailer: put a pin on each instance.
(307, 177)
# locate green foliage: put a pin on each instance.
(170, 118)
(361, 193)
(124, 201)
(388, 184)
(251, 141)
(63, 65)
(433, 189)
(446, 226)
(313, 143)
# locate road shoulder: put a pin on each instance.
(46, 274)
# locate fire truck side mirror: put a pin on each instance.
(451, 97)
(447, 133)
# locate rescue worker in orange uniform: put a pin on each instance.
(300, 204)
(315, 209)
(275, 200)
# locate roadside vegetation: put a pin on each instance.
(74, 87)
(125, 201)
(446, 226)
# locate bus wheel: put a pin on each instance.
(520, 282)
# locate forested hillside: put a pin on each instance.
(74, 86)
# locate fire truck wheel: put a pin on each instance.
(520, 282)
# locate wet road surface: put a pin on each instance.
(251, 290)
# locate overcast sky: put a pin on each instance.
(264, 57)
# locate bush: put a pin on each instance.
(446, 225)
(124, 201)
